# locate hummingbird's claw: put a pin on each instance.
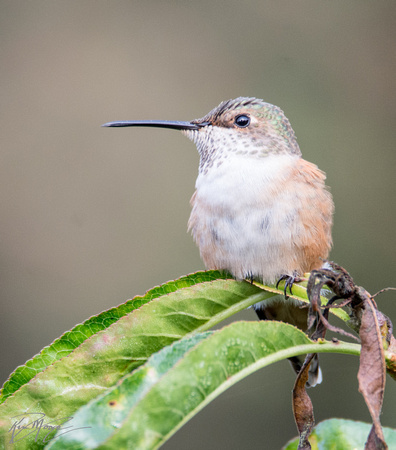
(289, 281)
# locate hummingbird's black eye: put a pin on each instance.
(242, 121)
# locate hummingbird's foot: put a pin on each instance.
(289, 281)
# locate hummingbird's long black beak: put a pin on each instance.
(158, 123)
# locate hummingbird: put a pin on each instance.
(259, 211)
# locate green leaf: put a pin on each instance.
(209, 368)
(100, 361)
(99, 352)
(70, 340)
(340, 434)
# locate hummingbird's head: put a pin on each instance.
(243, 126)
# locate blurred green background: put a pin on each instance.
(92, 216)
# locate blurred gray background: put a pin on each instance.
(92, 216)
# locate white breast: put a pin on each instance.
(242, 179)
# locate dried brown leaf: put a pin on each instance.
(371, 374)
(302, 406)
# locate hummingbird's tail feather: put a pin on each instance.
(314, 374)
